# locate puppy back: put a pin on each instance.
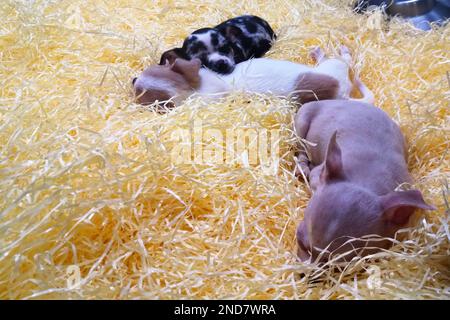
(312, 86)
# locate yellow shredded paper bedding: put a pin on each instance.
(93, 204)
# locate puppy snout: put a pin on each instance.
(223, 66)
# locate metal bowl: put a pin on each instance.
(421, 13)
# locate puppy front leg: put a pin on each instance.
(302, 122)
(302, 164)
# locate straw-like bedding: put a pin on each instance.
(87, 181)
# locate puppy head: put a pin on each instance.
(212, 48)
(340, 211)
(343, 219)
(161, 83)
(220, 62)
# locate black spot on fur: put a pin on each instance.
(239, 54)
(251, 27)
(196, 47)
(214, 39)
(225, 50)
(263, 46)
(247, 45)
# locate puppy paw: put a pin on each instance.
(301, 170)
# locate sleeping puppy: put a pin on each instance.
(354, 170)
(222, 47)
(177, 81)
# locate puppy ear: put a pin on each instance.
(232, 32)
(332, 168)
(398, 206)
(170, 56)
(189, 70)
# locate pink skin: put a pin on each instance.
(359, 160)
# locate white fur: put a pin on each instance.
(277, 77)
(205, 38)
(337, 69)
(214, 57)
(212, 83)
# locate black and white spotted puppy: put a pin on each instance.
(222, 47)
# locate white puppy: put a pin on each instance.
(172, 84)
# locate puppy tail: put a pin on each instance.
(367, 94)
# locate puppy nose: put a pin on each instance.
(133, 81)
(222, 65)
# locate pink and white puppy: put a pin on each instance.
(357, 164)
(328, 80)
